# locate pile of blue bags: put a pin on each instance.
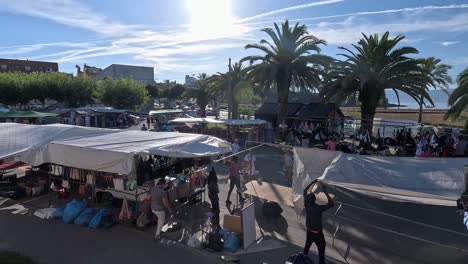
(231, 241)
(76, 212)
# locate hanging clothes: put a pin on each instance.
(305, 127)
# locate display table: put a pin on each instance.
(142, 194)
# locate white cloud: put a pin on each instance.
(70, 13)
(287, 9)
(349, 31)
(459, 61)
(380, 12)
(144, 43)
(448, 43)
(178, 49)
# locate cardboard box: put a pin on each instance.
(233, 223)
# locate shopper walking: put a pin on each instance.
(314, 221)
(234, 180)
(213, 190)
(159, 204)
(235, 146)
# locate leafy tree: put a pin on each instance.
(377, 65)
(122, 93)
(78, 91)
(201, 93)
(242, 87)
(11, 89)
(286, 62)
(458, 100)
(153, 91)
(176, 91)
(439, 77)
(20, 88)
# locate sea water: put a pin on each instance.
(439, 97)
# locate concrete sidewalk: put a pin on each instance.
(52, 241)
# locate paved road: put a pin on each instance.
(368, 237)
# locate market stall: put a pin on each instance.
(246, 129)
(24, 117)
(93, 160)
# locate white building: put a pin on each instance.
(191, 82)
(142, 74)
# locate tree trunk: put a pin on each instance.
(367, 117)
(235, 110)
(283, 94)
(203, 111)
(420, 109)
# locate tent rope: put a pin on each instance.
(405, 219)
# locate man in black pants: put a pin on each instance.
(213, 190)
(314, 221)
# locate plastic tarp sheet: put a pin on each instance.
(230, 122)
(198, 120)
(25, 114)
(437, 181)
(100, 149)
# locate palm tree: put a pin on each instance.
(439, 77)
(376, 66)
(242, 88)
(458, 100)
(286, 62)
(202, 93)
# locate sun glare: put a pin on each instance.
(211, 18)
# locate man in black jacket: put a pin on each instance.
(314, 221)
(213, 190)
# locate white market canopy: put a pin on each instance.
(165, 111)
(100, 149)
(437, 181)
(196, 120)
(229, 122)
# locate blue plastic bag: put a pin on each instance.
(72, 211)
(224, 234)
(85, 217)
(58, 213)
(96, 221)
(232, 243)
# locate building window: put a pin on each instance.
(3, 67)
(27, 68)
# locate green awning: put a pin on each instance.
(25, 114)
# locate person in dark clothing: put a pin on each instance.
(213, 190)
(314, 221)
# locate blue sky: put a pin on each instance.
(179, 37)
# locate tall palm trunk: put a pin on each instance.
(282, 92)
(235, 109)
(369, 101)
(203, 110)
(367, 117)
(420, 109)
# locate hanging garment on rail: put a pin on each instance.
(465, 220)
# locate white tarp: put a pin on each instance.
(422, 180)
(230, 122)
(100, 149)
(201, 120)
